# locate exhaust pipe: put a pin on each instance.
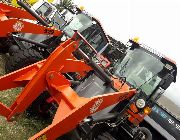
(33, 13)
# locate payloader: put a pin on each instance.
(133, 131)
(107, 103)
(28, 46)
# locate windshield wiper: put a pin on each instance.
(121, 73)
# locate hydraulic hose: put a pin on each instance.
(96, 67)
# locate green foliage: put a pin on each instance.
(64, 3)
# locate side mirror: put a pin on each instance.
(168, 79)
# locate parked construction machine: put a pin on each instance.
(108, 103)
(26, 45)
(19, 21)
(86, 86)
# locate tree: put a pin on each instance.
(64, 3)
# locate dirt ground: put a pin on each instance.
(23, 126)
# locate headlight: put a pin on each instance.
(140, 103)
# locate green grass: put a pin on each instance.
(23, 126)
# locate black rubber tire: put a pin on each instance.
(146, 132)
(13, 49)
(39, 108)
(105, 136)
(72, 135)
(21, 59)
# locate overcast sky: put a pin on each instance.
(155, 22)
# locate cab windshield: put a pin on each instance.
(140, 69)
(45, 10)
(90, 30)
(58, 21)
(80, 22)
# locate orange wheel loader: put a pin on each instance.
(27, 35)
(107, 103)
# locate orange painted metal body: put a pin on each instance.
(48, 75)
(14, 19)
(135, 117)
(14, 12)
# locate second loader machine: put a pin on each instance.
(26, 45)
(107, 103)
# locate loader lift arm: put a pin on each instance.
(14, 12)
(48, 74)
(18, 25)
(15, 20)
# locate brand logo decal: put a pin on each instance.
(96, 105)
(18, 26)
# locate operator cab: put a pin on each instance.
(44, 9)
(73, 19)
(90, 28)
(50, 13)
(146, 70)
